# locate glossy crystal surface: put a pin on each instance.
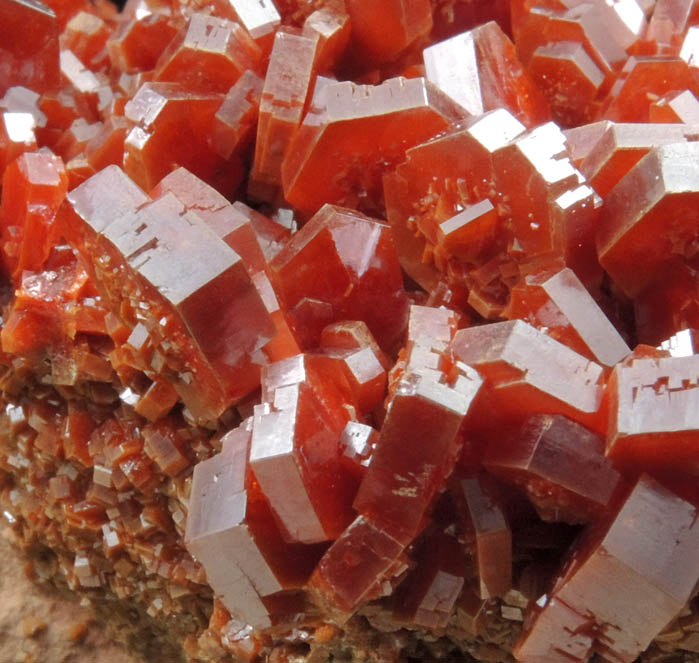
(560, 465)
(657, 583)
(389, 118)
(480, 71)
(354, 330)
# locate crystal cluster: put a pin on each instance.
(357, 330)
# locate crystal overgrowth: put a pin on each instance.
(343, 326)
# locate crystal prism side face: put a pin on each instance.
(546, 300)
(340, 326)
(428, 595)
(659, 223)
(236, 119)
(561, 467)
(480, 71)
(553, 379)
(652, 410)
(289, 80)
(296, 452)
(228, 532)
(620, 556)
(348, 262)
(486, 522)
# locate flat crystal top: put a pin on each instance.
(171, 247)
(105, 197)
(259, 17)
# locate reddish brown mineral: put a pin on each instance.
(382, 31)
(479, 70)
(220, 48)
(323, 329)
(347, 262)
(527, 371)
(643, 588)
(648, 218)
(356, 133)
(561, 467)
(29, 51)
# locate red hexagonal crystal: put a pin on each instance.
(480, 71)
(33, 188)
(527, 371)
(288, 83)
(652, 415)
(561, 466)
(556, 301)
(298, 431)
(295, 450)
(220, 49)
(621, 584)
(171, 126)
(382, 31)
(650, 216)
(348, 262)
(389, 118)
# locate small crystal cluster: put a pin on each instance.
(359, 330)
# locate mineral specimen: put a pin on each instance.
(362, 331)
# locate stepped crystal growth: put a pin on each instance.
(356, 330)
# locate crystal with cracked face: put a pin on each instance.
(621, 584)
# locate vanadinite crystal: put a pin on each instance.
(356, 330)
